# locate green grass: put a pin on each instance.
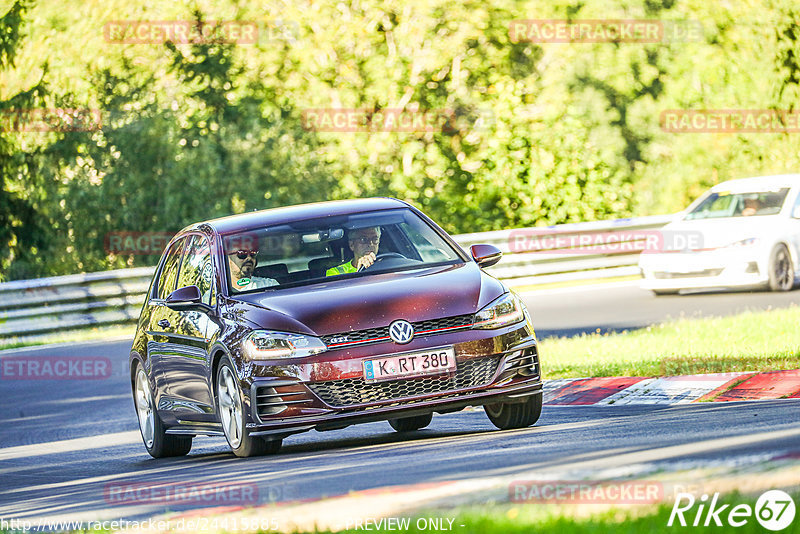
(751, 341)
(73, 336)
(525, 519)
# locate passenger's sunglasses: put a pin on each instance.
(243, 254)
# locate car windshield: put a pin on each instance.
(313, 251)
(727, 204)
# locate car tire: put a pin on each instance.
(409, 424)
(781, 270)
(662, 292)
(230, 408)
(506, 416)
(157, 442)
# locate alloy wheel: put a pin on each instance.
(783, 271)
(144, 408)
(230, 404)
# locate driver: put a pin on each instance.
(364, 243)
(242, 263)
(751, 207)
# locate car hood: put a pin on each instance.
(372, 301)
(707, 234)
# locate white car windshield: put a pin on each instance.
(726, 204)
(317, 250)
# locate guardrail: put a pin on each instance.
(559, 253)
(531, 256)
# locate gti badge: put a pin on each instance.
(401, 332)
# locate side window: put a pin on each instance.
(422, 239)
(196, 268)
(796, 208)
(166, 282)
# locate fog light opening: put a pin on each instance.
(511, 359)
(269, 402)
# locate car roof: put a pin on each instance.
(758, 183)
(255, 219)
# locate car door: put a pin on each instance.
(187, 365)
(794, 230)
(162, 318)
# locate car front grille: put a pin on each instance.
(663, 275)
(351, 391)
(376, 335)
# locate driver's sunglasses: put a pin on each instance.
(367, 240)
(243, 254)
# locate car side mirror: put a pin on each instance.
(485, 255)
(186, 298)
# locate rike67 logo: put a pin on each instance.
(774, 510)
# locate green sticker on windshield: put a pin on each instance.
(243, 282)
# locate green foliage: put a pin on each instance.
(23, 227)
(537, 134)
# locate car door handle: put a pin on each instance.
(163, 323)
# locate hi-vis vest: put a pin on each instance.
(341, 269)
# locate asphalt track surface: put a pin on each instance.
(62, 443)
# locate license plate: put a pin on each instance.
(422, 363)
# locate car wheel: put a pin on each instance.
(661, 292)
(230, 408)
(520, 415)
(781, 271)
(157, 442)
(409, 424)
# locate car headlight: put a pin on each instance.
(744, 243)
(505, 310)
(266, 345)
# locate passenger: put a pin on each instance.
(242, 264)
(364, 243)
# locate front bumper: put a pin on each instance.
(720, 268)
(330, 393)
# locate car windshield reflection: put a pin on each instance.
(313, 251)
(725, 204)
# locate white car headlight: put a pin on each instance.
(266, 345)
(744, 242)
(506, 310)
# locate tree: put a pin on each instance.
(23, 231)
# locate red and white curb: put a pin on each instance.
(714, 387)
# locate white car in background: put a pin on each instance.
(741, 234)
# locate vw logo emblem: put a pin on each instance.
(401, 332)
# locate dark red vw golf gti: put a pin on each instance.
(321, 316)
